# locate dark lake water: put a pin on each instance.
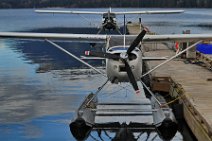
(39, 106)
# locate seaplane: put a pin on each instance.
(109, 21)
(123, 65)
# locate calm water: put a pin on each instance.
(39, 106)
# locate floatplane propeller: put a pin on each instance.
(124, 57)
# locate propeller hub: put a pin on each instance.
(124, 55)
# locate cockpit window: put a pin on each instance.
(118, 48)
(121, 48)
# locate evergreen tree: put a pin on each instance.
(105, 3)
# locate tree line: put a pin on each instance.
(105, 3)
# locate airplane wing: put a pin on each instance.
(68, 12)
(154, 58)
(151, 12)
(118, 13)
(56, 36)
(165, 38)
(178, 37)
(103, 38)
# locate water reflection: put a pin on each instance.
(44, 128)
(33, 105)
(26, 94)
(39, 106)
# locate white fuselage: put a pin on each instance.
(115, 68)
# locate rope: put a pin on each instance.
(170, 102)
(177, 98)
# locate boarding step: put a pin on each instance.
(123, 103)
(144, 101)
(126, 118)
(123, 108)
(118, 106)
(124, 113)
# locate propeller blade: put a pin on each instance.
(131, 77)
(101, 54)
(136, 41)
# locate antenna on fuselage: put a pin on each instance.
(124, 30)
(110, 10)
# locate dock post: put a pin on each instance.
(191, 53)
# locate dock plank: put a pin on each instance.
(134, 28)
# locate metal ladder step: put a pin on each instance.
(124, 103)
(124, 114)
(126, 110)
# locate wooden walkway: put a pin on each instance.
(196, 94)
(133, 28)
(192, 83)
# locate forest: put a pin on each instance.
(106, 3)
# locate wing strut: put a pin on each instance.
(100, 30)
(75, 57)
(168, 60)
(151, 93)
(97, 92)
(117, 29)
(89, 21)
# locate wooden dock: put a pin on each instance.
(133, 28)
(191, 83)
